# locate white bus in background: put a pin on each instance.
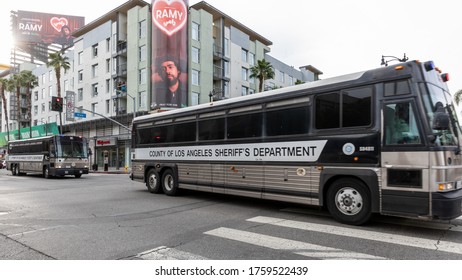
(381, 141)
(50, 156)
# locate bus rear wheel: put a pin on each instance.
(153, 182)
(14, 170)
(348, 201)
(169, 183)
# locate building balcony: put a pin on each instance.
(218, 52)
(122, 48)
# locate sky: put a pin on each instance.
(335, 36)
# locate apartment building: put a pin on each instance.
(110, 73)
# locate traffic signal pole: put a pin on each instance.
(114, 121)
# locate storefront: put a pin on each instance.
(109, 152)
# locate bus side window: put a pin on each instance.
(400, 125)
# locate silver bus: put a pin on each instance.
(381, 141)
(50, 156)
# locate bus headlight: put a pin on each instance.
(445, 186)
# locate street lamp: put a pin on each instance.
(393, 58)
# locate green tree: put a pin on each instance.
(458, 96)
(58, 62)
(263, 70)
(30, 81)
(3, 88)
(15, 85)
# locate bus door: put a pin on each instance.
(405, 164)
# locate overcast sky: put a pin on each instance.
(335, 36)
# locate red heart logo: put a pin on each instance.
(58, 23)
(169, 15)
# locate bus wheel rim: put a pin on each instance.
(168, 182)
(349, 201)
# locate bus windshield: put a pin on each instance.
(70, 148)
(441, 115)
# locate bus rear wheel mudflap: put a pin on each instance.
(348, 201)
(153, 181)
(170, 182)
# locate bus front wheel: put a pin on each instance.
(153, 182)
(14, 170)
(46, 172)
(169, 183)
(348, 201)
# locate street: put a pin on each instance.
(109, 217)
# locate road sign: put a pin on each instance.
(80, 115)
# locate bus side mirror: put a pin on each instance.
(441, 121)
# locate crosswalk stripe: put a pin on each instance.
(445, 246)
(296, 247)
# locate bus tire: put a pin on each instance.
(153, 182)
(169, 183)
(46, 172)
(349, 201)
(78, 175)
(14, 170)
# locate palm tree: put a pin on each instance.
(58, 61)
(3, 87)
(263, 70)
(15, 84)
(30, 81)
(458, 96)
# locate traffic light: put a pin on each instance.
(56, 104)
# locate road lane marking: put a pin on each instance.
(445, 246)
(295, 247)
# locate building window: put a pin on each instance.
(195, 99)
(94, 90)
(43, 107)
(142, 76)
(244, 55)
(244, 74)
(50, 91)
(291, 81)
(35, 110)
(108, 44)
(80, 59)
(108, 65)
(195, 31)
(80, 94)
(80, 76)
(142, 29)
(66, 85)
(94, 107)
(195, 55)
(251, 59)
(107, 107)
(94, 50)
(94, 71)
(244, 91)
(195, 78)
(281, 77)
(108, 86)
(35, 95)
(50, 75)
(142, 99)
(43, 79)
(142, 53)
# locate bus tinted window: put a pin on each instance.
(245, 126)
(213, 129)
(328, 111)
(357, 105)
(287, 121)
(184, 132)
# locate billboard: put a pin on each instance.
(169, 54)
(44, 28)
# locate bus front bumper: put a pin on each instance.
(447, 205)
(69, 171)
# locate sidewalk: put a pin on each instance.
(111, 170)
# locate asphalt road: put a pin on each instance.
(109, 217)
